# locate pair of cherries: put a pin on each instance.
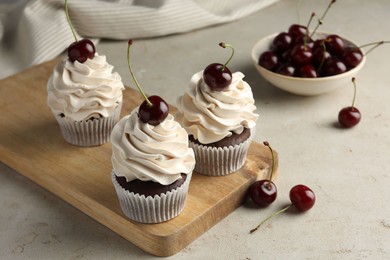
(264, 192)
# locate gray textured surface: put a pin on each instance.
(348, 169)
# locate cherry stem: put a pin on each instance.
(306, 38)
(224, 45)
(269, 217)
(69, 22)
(130, 42)
(376, 44)
(323, 56)
(273, 159)
(322, 17)
(354, 92)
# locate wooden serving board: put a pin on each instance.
(31, 144)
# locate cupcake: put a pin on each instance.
(86, 100)
(217, 111)
(84, 94)
(152, 163)
(152, 168)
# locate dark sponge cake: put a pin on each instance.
(232, 140)
(149, 188)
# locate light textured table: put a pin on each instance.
(348, 169)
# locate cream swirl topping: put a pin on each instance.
(150, 153)
(213, 115)
(83, 90)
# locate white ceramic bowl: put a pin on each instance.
(303, 86)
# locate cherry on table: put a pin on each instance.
(264, 192)
(350, 116)
(301, 197)
(218, 76)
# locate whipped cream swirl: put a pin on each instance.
(210, 115)
(84, 90)
(150, 153)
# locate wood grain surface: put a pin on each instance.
(31, 144)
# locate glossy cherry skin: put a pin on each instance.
(320, 56)
(81, 50)
(263, 192)
(301, 54)
(286, 69)
(216, 78)
(297, 30)
(334, 66)
(268, 60)
(349, 116)
(302, 197)
(352, 57)
(335, 44)
(155, 114)
(282, 42)
(307, 71)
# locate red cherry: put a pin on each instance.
(286, 69)
(218, 76)
(297, 30)
(307, 71)
(350, 116)
(320, 57)
(335, 44)
(154, 109)
(153, 114)
(282, 42)
(352, 57)
(81, 50)
(334, 66)
(301, 54)
(302, 197)
(268, 60)
(264, 192)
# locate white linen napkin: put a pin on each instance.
(37, 30)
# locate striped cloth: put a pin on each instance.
(37, 30)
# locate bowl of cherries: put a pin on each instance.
(307, 64)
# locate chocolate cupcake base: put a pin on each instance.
(219, 161)
(91, 132)
(152, 209)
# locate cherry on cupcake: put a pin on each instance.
(350, 116)
(264, 192)
(301, 197)
(154, 109)
(217, 76)
(79, 50)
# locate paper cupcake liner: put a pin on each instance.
(88, 132)
(159, 208)
(220, 161)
